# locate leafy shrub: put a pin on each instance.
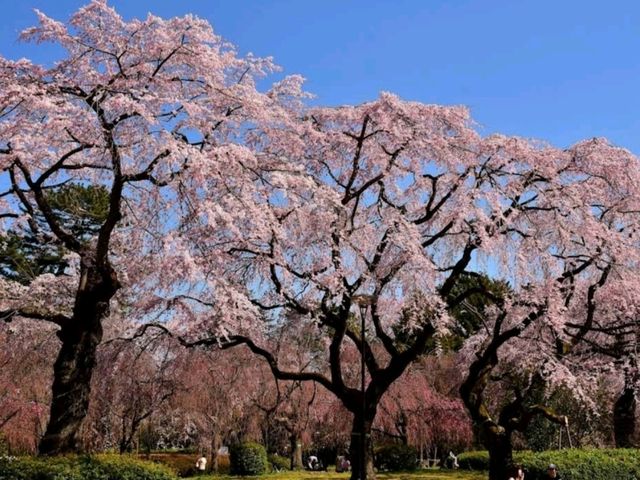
(100, 467)
(396, 458)
(474, 460)
(248, 459)
(279, 463)
(573, 464)
(29, 468)
(123, 467)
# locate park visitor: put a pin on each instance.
(552, 472)
(201, 464)
(516, 472)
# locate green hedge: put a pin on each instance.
(474, 460)
(279, 463)
(248, 459)
(99, 467)
(396, 458)
(573, 464)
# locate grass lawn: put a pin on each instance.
(423, 475)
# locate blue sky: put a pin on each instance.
(555, 70)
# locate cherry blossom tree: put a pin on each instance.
(240, 218)
(129, 107)
(26, 354)
(214, 397)
(139, 381)
(417, 411)
(608, 339)
(584, 232)
(371, 215)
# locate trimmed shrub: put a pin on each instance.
(123, 467)
(248, 459)
(279, 463)
(396, 458)
(474, 460)
(30, 468)
(99, 467)
(573, 464)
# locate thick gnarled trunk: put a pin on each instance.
(76, 360)
(624, 418)
(498, 442)
(361, 426)
(72, 373)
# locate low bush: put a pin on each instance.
(248, 459)
(478, 460)
(279, 463)
(99, 467)
(396, 458)
(573, 464)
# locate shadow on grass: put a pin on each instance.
(423, 475)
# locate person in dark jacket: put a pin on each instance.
(552, 472)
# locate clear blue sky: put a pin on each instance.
(558, 70)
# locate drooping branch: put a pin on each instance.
(238, 340)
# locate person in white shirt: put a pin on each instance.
(201, 464)
(312, 462)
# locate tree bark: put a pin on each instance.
(216, 443)
(624, 418)
(355, 448)
(498, 442)
(296, 451)
(76, 360)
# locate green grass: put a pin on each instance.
(424, 475)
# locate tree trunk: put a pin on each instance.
(355, 448)
(128, 435)
(296, 451)
(76, 360)
(215, 446)
(125, 444)
(71, 388)
(401, 425)
(498, 442)
(624, 418)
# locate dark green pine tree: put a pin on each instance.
(29, 251)
(469, 297)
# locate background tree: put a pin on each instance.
(608, 339)
(142, 379)
(423, 409)
(26, 254)
(26, 354)
(589, 244)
